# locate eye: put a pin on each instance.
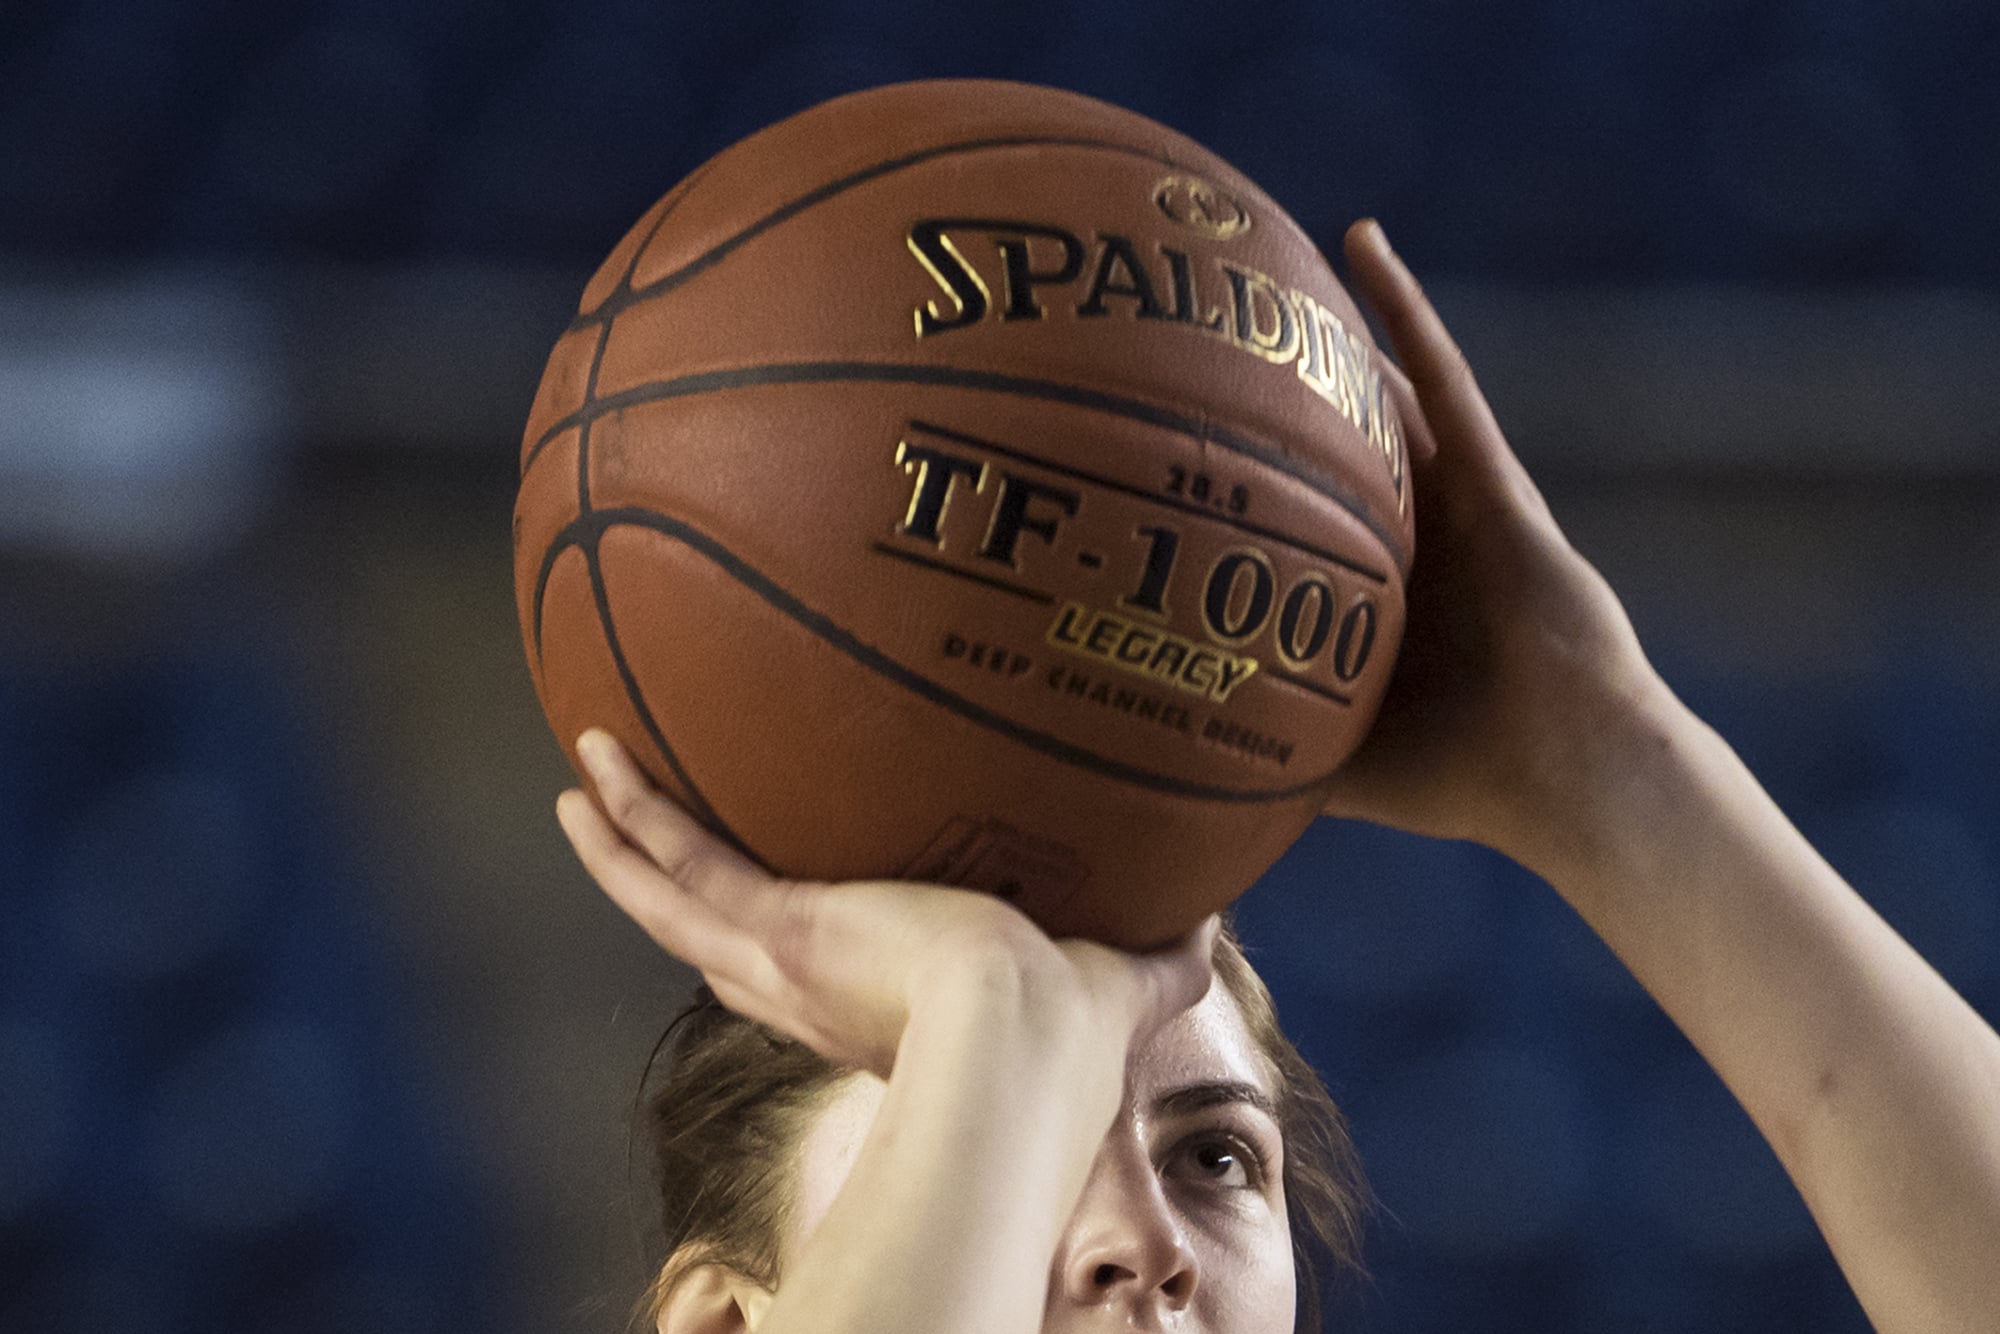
(1224, 1159)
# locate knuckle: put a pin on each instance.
(1009, 944)
(794, 934)
(679, 862)
(1458, 370)
(1019, 968)
(621, 803)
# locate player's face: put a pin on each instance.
(1179, 1226)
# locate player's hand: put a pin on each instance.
(839, 966)
(1517, 655)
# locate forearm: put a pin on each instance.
(1877, 1085)
(975, 1160)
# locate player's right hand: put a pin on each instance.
(1521, 688)
(839, 967)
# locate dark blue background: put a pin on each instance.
(212, 1117)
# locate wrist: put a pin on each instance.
(993, 1093)
(1020, 1003)
(1590, 790)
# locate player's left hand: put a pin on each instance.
(841, 967)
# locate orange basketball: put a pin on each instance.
(975, 483)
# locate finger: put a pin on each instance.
(689, 855)
(737, 913)
(1181, 972)
(1452, 404)
(1417, 434)
(680, 922)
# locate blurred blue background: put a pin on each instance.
(306, 1020)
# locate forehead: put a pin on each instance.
(1209, 1042)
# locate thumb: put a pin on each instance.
(1180, 973)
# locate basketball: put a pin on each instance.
(974, 483)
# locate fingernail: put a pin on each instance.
(594, 749)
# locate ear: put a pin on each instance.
(714, 1299)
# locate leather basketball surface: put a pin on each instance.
(977, 483)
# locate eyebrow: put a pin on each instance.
(1213, 1093)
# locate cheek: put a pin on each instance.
(1250, 1278)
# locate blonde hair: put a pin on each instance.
(727, 1118)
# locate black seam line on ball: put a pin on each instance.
(549, 558)
(583, 536)
(828, 372)
(1313, 688)
(624, 284)
(622, 300)
(703, 811)
(588, 529)
(1154, 497)
(941, 567)
(583, 426)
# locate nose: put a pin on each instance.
(1125, 1243)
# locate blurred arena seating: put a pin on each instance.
(1556, 140)
(233, 233)
(1551, 1152)
(212, 1116)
